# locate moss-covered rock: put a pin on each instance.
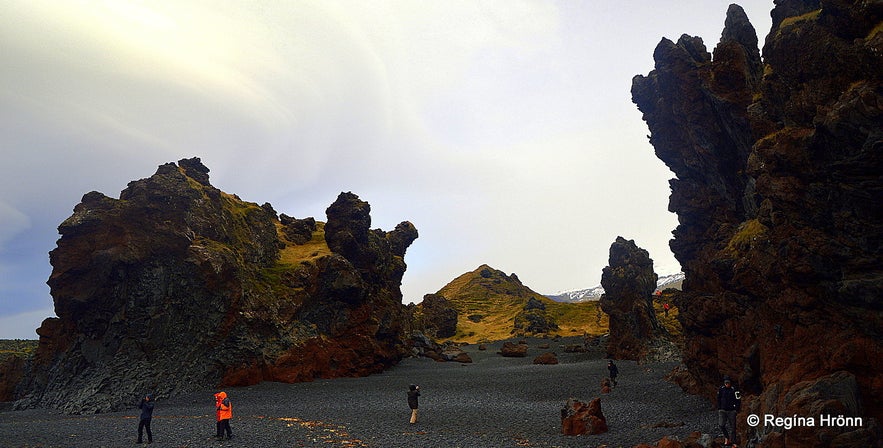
(178, 286)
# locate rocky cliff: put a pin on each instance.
(436, 317)
(629, 282)
(177, 286)
(778, 194)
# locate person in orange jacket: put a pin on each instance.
(224, 413)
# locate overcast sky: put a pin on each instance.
(503, 130)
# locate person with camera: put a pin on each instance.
(224, 414)
(146, 406)
(413, 393)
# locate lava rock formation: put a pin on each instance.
(778, 195)
(629, 282)
(178, 286)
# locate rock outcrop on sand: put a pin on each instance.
(437, 316)
(177, 286)
(629, 282)
(778, 194)
(578, 418)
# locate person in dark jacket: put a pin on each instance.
(613, 370)
(146, 406)
(729, 401)
(413, 393)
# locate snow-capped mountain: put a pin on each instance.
(585, 295)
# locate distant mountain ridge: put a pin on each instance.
(594, 293)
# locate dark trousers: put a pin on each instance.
(224, 426)
(142, 425)
(727, 422)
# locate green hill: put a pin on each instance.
(488, 301)
(23, 348)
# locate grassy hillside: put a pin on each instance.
(293, 254)
(670, 321)
(21, 347)
(487, 301)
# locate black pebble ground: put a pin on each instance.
(492, 402)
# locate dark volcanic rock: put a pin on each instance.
(422, 345)
(178, 286)
(778, 195)
(513, 350)
(439, 316)
(12, 373)
(629, 282)
(298, 231)
(533, 319)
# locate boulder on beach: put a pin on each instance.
(512, 350)
(606, 386)
(578, 418)
(547, 358)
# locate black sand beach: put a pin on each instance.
(493, 402)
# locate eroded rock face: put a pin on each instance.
(778, 196)
(629, 282)
(178, 286)
(439, 316)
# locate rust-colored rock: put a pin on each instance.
(606, 386)
(12, 371)
(778, 198)
(512, 350)
(547, 358)
(667, 442)
(578, 418)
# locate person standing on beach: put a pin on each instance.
(613, 370)
(729, 401)
(146, 406)
(413, 393)
(225, 413)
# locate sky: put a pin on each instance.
(504, 130)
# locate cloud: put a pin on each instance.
(23, 325)
(12, 222)
(505, 134)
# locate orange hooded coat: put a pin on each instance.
(225, 409)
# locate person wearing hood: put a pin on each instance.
(224, 414)
(613, 370)
(413, 393)
(146, 406)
